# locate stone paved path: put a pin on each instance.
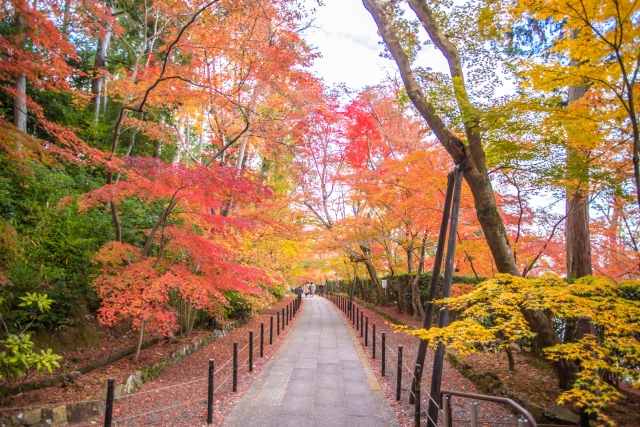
(319, 377)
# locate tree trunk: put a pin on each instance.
(20, 98)
(512, 362)
(66, 17)
(418, 309)
(577, 225)
(99, 67)
(471, 153)
(381, 296)
(139, 341)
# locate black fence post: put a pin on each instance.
(283, 319)
(416, 392)
(373, 338)
(290, 311)
(210, 393)
(357, 319)
(108, 414)
(366, 333)
(250, 351)
(278, 326)
(235, 367)
(399, 385)
(261, 339)
(361, 314)
(384, 354)
(271, 331)
(287, 316)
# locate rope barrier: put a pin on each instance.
(243, 363)
(159, 410)
(427, 412)
(431, 399)
(222, 383)
(225, 364)
(155, 390)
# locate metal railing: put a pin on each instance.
(526, 419)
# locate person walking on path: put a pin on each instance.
(321, 290)
(306, 289)
(312, 289)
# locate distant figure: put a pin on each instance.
(312, 289)
(321, 290)
(306, 289)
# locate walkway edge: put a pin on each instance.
(389, 416)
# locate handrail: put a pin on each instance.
(509, 402)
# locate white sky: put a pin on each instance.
(347, 38)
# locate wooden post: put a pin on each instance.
(250, 351)
(366, 333)
(210, 393)
(374, 341)
(443, 317)
(437, 264)
(235, 367)
(399, 382)
(261, 339)
(384, 355)
(108, 414)
(417, 374)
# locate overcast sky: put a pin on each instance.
(347, 38)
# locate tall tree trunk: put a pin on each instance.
(140, 340)
(577, 225)
(20, 98)
(410, 272)
(99, 66)
(66, 17)
(381, 295)
(415, 283)
(471, 153)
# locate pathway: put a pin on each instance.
(319, 377)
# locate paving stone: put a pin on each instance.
(260, 416)
(329, 381)
(328, 369)
(330, 416)
(292, 420)
(269, 397)
(353, 375)
(300, 387)
(328, 397)
(362, 406)
(356, 421)
(277, 380)
(306, 363)
(303, 374)
(354, 388)
(296, 404)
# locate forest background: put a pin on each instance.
(165, 164)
